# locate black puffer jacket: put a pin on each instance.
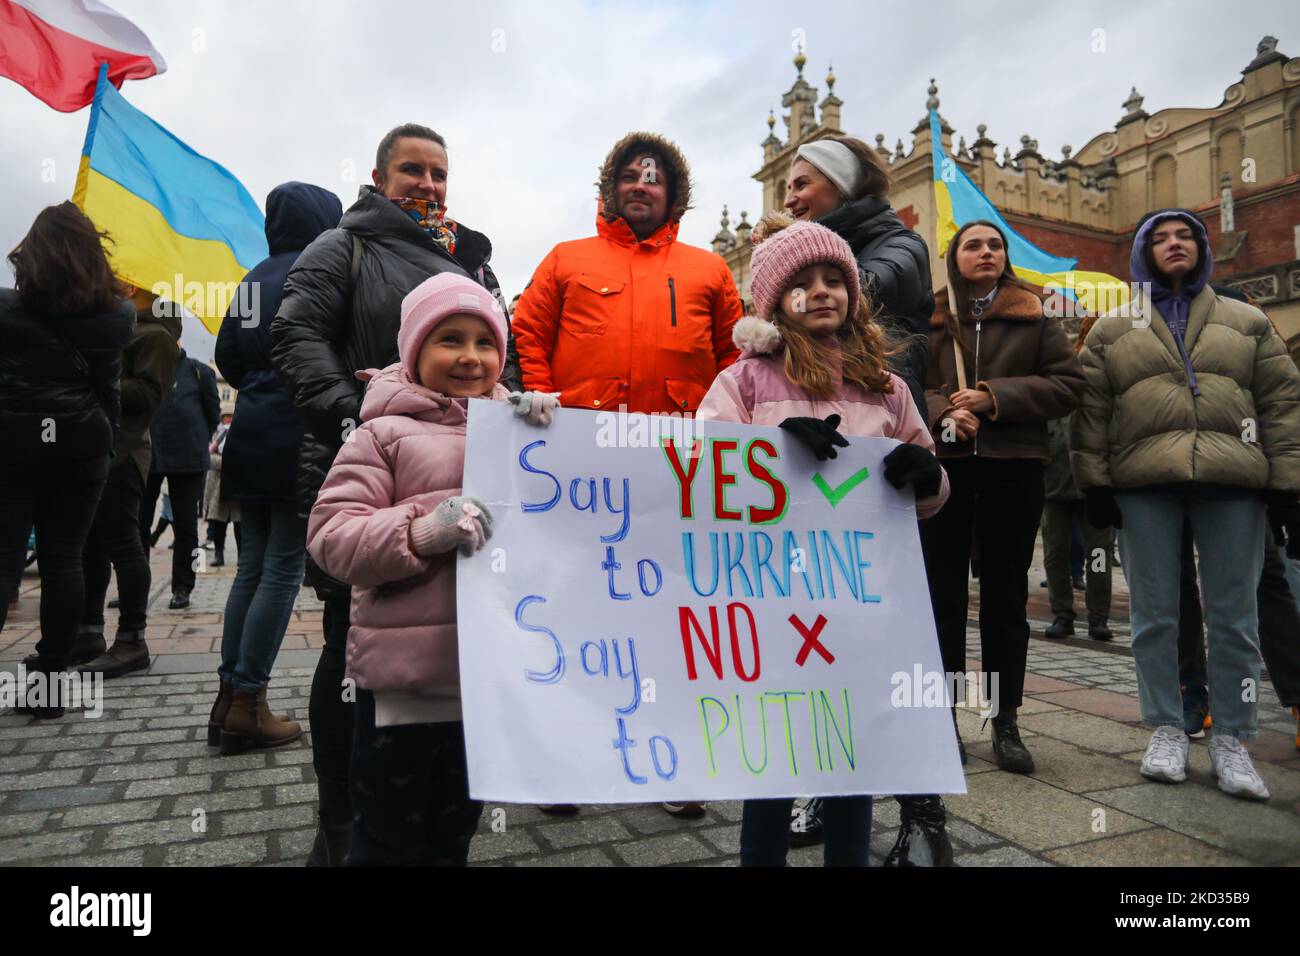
(260, 459)
(894, 264)
(49, 411)
(327, 330)
(189, 414)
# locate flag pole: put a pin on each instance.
(83, 165)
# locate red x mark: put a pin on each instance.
(810, 642)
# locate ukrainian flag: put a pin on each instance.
(958, 201)
(181, 225)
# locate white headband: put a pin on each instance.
(836, 162)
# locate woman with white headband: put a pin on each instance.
(842, 183)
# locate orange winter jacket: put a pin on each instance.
(610, 321)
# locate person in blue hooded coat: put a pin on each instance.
(1191, 413)
(259, 471)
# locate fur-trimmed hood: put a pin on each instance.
(679, 174)
(1012, 302)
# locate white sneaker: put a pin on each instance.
(1166, 756)
(1230, 762)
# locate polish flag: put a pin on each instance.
(54, 49)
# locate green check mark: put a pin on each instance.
(837, 494)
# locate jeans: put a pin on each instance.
(114, 545)
(1000, 502)
(765, 831)
(410, 793)
(1059, 517)
(262, 595)
(332, 717)
(1229, 533)
(186, 491)
(60, 503)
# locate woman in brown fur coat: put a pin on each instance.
(1000, 369)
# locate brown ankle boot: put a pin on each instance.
(218, 715)
(250, 723)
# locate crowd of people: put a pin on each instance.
(1171, 428)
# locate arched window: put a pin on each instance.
(1164, 183)
(1230, 155)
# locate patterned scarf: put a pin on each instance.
(430, 217)
(980, 305)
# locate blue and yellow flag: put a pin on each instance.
(958, 201)
(180, 225)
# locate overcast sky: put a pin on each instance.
(530, 95)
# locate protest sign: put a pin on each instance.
(679, 610)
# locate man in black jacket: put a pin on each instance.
(340, 313)
(148, 369)
(180, 433)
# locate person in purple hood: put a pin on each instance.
(1192, 411)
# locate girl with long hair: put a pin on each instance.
(1000, 369)
(815, 363)
(64, 327)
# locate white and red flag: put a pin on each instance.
(54, 49)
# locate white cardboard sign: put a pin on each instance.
(647, 624)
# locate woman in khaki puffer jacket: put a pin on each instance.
(1192, 408)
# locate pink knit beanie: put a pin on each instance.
(781, 255)
(441, 297)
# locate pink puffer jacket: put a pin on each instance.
(755, 391)
(407, 457)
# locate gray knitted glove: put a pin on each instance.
(458, 522)
(535, 406)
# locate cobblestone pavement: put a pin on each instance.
(140, 786)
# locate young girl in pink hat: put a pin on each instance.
(814, 363)
(389, 520)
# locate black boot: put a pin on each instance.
(922, 837)
(806, 825)
(1008, 751)
(88, 645)
(1063, 626)
(1098, 629)
(334, 829)
(43, 698)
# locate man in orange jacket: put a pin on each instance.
(630, 319)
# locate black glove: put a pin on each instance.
(819, 437)
(1102, 510)
(916, 466)
(1284, 518)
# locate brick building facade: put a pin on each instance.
(1236, 164)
